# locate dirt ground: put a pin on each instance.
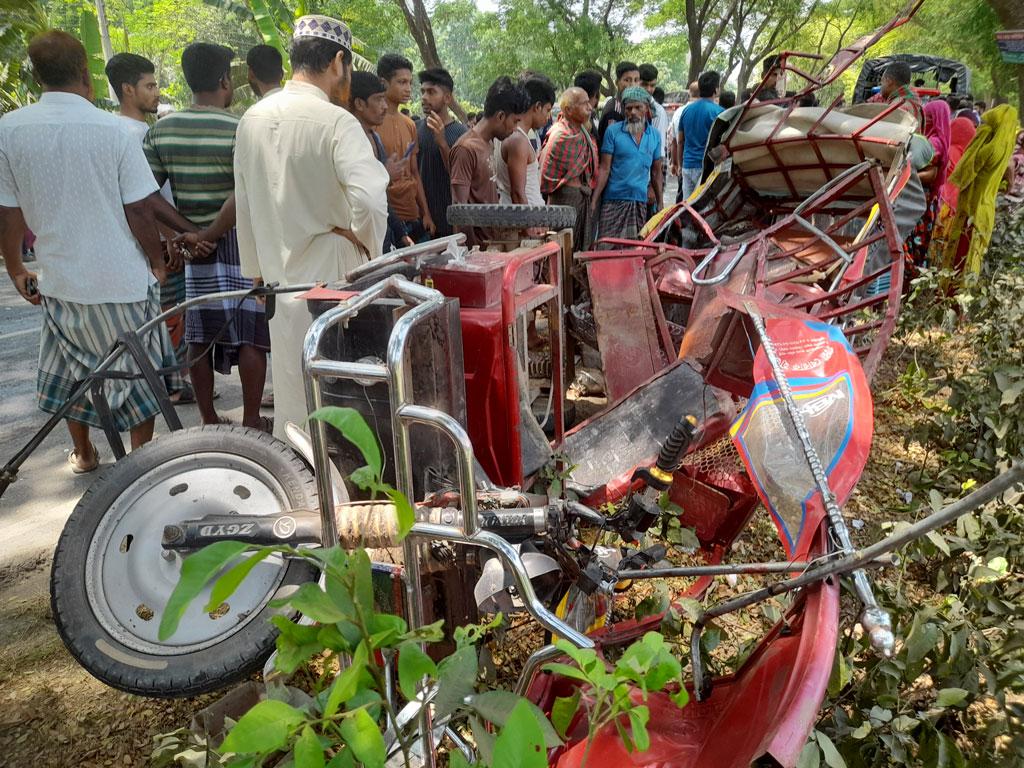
(52, 713)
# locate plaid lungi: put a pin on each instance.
(242, 322)
(622, 218)
(579, 198)
(74, 340)
(172, 293)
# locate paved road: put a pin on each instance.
(34, 509)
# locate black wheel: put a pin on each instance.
(111, 578)
(512, 216)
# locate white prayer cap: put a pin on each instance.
(325, 27)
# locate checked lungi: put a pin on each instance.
(579, 198)
(621, 218)
(231, 323)
(76, 337)
(172, 293)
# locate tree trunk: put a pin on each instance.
(422, 31)
(108, 49)
(1011, 13)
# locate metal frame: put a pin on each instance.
(424, 303)
(854, 561)
(129, 342)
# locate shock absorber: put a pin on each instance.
(643, 508)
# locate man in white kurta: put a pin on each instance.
(305, 171)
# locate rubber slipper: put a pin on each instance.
(186, 396)
(77, 468)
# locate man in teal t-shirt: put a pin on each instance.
(629, 176)
(694, 128)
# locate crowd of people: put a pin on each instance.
(327, 170)
(963, 154)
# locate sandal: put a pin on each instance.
(266, 424)
(77, 468)
(186, 395)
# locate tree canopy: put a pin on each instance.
(556, 37)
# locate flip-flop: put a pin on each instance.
(186, 395)
(266, 424)
(77, 468)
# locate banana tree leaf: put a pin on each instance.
(283, 16)
(89, 30)
(266, 23)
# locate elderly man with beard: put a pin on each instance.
(630, 173)
(569, 162)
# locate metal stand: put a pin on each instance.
(129, 343)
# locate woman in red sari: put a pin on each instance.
(961, 131)
(933, 177)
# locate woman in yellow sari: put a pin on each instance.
(977, 176)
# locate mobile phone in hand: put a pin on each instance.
(32, 286)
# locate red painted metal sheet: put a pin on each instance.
(630, 345)
(766, 708)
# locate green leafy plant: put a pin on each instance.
(951, 696)
(617, 694)
(351, 425)
(349, 710)
(344, 643)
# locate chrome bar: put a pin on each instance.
(514, 564)
(427, 301)
(401, 254)
(843, 255)
(418, 414)
(533, 663)
(209, 298)
(400, 386)
(349, 370)
(706, 263)
(312, 367)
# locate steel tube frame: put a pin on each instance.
(9, 472)
(426, 301)
(438, 245)
(859, 559)
(728, 569)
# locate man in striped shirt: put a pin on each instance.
(194, 148)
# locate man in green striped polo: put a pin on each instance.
(194, 149)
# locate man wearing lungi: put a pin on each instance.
(194, 149)
(569, 162)
(74, 175)
(630, 174)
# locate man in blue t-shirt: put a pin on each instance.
(694, 128)
(629, 176)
